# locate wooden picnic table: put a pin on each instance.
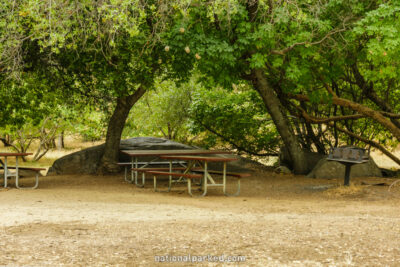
(157, 154)
(5, 166)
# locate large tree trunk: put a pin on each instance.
(282, 123)
(60, 141)
(109, 160)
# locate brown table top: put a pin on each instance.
(13, 154)
(200, 158)
(135, 153)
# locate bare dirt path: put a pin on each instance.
(278, 220)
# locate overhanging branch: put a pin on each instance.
(239, 147)
(369, 142)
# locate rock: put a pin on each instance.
(390, 173)
(312, 158)
(81, 162)
(87, 160)
(332, 169)
(283, 169)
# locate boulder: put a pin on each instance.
(87, 160)
(311, 159)
(390, 173)
(332, 169)
(283, 169)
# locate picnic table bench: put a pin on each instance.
(192, 165)
(37, 173)
(7, 174)
(145, 170)
(205, 175)
(134, 167)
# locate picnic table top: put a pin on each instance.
(13, 154)
(134, 153)
(200, 158)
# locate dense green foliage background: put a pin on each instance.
(333, 65)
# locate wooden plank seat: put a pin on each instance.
(158, 169)
(150, 163)
(144, 170)
(128, 165)
(233, 174)
(188, 177)
(34, 169)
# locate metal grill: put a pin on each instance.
(348, 156)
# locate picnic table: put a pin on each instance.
(155, 156)
(207, 180)
(6, 168)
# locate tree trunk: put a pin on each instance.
(109, 160)
(282, 123)
(60, 141)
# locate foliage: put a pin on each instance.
(191, 113)
(162, 112)
(57, 54)
(237, 118)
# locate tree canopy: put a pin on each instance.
(326, 72)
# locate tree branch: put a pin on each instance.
(240, 148)
(316, 120)
(369, 142)
(288, 49)
(368, 112)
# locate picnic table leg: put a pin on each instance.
(132, 172)
(16, 169)
(143, 179)
(203, 183)
(205, 177)
(126, 173)
(224, 178)
(33, 187)
(224, 184)
(136, 172)
(5, 172)
(189, 181)
(155, 183)
(237, 191)
(170, 177)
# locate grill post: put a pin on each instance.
(347, 173)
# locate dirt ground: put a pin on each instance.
(278, 220)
